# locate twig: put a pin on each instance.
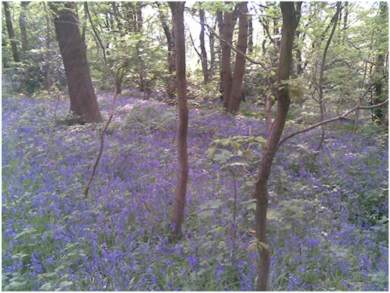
(357, 107)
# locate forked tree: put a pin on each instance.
(232, 81)
(83, 100)
(291, 16)
(177, 9)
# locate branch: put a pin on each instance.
(345, 114)
(95, 32)
(102, 135)
(193, 44)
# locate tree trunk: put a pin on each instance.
(250, 34)
(22, 25)
(203, 51)
(11, 32)
(345, 25)
(290, 22)
(177, 9)
(239, 66)
(228, 27)
(170, 88)
(322, 69)
(268, 114)
(378, 114)
(212, 53)
(141, 64)
(48, 77)
(83, 100)
(220, 29)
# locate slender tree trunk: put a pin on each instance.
(250, 34)
(171, 52)
(11, 32)
(177, 9)
(322, 69)
(220, 59)
(48, 78)
(212, 53)
(290, 22)
(115, 11)
(83, 100)
(141, 64)
(203, 51)
(345, 25)
(378, 115)
(23, 24)
(228, 26)
(239, 66)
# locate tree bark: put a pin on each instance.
(177, 9)
(239, 65)
(212, 53)
(23, 24)
(83, 100)
(220, 30)
(322, 69)
(141, 64)
(48, 78)
(378, 114)
(203, 51)
(170, 88)
(290, 22)
(11, 32)
(227, 30)
(250, 34)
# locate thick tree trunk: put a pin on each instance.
(23, 24)
(228, 26)
(83, 100)
(239, 66)
(11, 32)
(290, 22)
(203, 52)
(177, 9)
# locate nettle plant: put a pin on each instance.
(237, 156)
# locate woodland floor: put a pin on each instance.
(328, 213)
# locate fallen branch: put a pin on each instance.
(345, 114)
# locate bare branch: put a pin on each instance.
(101, 148)
(193, 44)
(345, 114)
